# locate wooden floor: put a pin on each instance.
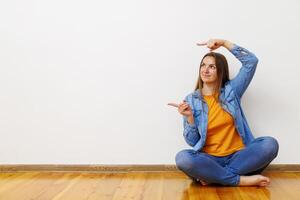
(137, 185)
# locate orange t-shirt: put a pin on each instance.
(222, 137)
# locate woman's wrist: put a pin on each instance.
(190, 120)
(227, 44)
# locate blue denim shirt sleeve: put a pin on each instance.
(249, 62)
(190, 132)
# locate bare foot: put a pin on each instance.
(258, 180)
(203, 182)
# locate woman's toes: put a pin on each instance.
(254, 180)
(203, 182)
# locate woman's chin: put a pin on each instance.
(207, 81)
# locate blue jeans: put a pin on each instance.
(226, 170)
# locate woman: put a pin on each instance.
(224, 149)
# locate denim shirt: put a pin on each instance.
(230, 100)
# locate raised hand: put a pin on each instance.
(183, 108)
(212, 44)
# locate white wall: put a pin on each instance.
(87, 82)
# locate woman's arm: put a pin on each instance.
(249, 62)
(190, 129)
(190, 132)
(227, 44)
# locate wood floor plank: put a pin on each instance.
(285, 185)
(33, 188)
(198, 192)
(131, 187)
(68, 187)
(153, 187)
(7, 177)
(174, 186)
(107, 186)
(253, 193)
(137, 185)
(58, 186)
(228, 193)
(15, 181)
(81, 187)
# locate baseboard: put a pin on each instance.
(119, 168)
(87, 168)
(284, 167)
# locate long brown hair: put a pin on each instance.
(222, 71)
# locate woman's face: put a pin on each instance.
(208, 70)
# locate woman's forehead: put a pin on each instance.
(209, 60)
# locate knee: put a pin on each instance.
(184, 160)
(270, 146)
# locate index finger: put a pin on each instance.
(202, 43)
(173, 104)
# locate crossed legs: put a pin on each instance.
(240, 168)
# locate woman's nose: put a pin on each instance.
(205, 69)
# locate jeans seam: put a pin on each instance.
(238, 178)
